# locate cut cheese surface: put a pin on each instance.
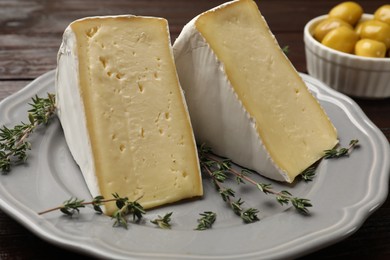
(118, 94)
(281, 126)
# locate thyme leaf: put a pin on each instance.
(206, 221)
(96, 203)
(163, 222)
(72, 206)
(301, 204)
(250, 215)
(286, 49)
(308, 174)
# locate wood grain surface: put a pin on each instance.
(30, 35)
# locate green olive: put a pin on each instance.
(383, 14)
(359, 25)
(370, 48)
(327, 25)
(341, 39)
(347, 11)
(376, 30)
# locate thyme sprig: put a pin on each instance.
(71, 206)
(163, 222)
(221, 167)
(13, 141)
(124, 205)
(206, 221)
(340, 152)
(309, 174)
(284, 197)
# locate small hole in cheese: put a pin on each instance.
(167, 115)
(140, 87)
(122, 147)
(103, 61)
(119, 75)
(91, 32)
(157, 118)
(181, 142)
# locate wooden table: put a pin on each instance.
(30, 34)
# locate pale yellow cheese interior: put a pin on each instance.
(292, 125)
(139, 128)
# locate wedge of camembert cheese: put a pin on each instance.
(123, 112)
(246, 100)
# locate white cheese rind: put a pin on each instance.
(70, 110)
(218, 117)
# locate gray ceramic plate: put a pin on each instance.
(344, 193)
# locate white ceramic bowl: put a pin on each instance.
(350, 74)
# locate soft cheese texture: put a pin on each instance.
(123, 112)
(245, 98)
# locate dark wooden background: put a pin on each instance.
(30, 34)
